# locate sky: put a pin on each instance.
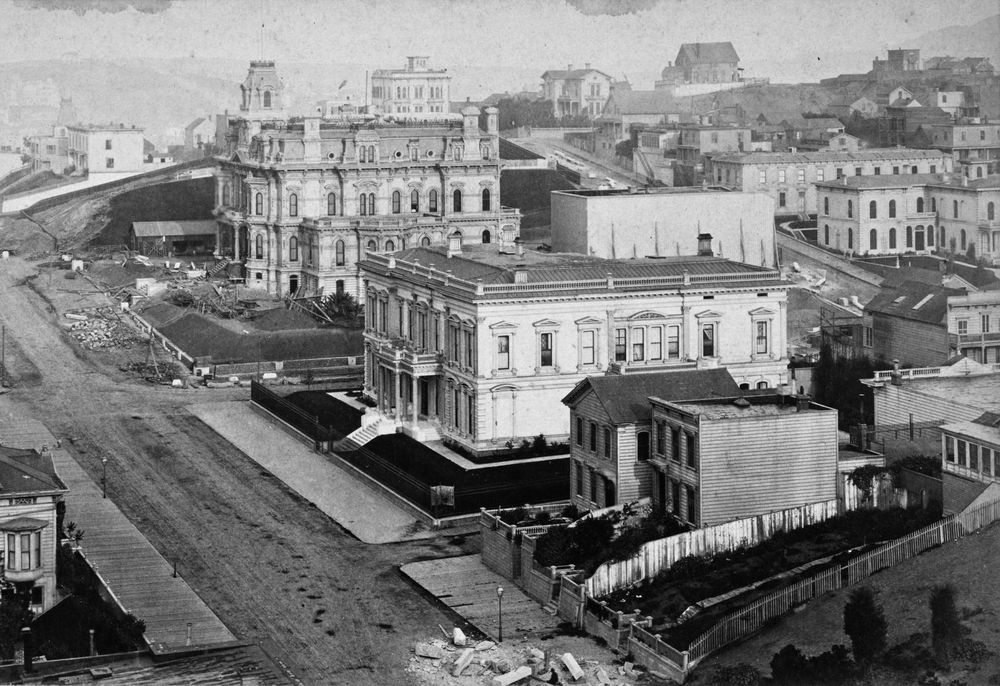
(788, 40)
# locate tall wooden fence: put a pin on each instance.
(293, 415)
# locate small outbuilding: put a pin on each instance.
(170, 238)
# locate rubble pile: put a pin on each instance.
(463, 664)
(102, 330)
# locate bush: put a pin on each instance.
(865, 625)
(832, 667)
(788, 665)
(182, 298)
(946, 629)
(739, 675)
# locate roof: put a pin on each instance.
(574, 74)
(868, 154)
(769, 405)
(645, 102)
(194, 124)
(813, 123)
(702, 53)
(625, 398)
(881, 181)
(28, 471)
(985, 428)
(199, 227)
(913, 300)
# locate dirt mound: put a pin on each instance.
(280, 319)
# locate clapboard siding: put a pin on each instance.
(894, 404)
(913, 343)
(760, 464)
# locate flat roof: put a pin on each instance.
(975, 430)
(981, 390)
(635, 192)
(866, 155)
(199, 227)
(754, 406)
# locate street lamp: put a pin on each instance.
(104, 477)
(500, 613)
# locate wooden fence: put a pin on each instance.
(655, 556)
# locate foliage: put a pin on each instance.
(922, 464)
(182, 298)
(515, 113)
(625, 149)
(865, 625)
(863, 478)
(342, 305)
(832, 667)
(788, 665)
(742, 674)
(909, 656)
(539, 442)
(838, 385)
(14, 614)
(946, 629)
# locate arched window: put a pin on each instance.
(432, 201)
(826, 205)
(930, 235)
(371, 203)
(486, 236)
(826, 234)
(456, 205)
(425, 241)
(892, 239)
(259, 247)
(850, 209)
(954, 208)
(873, 210)
(362, 154)
(942, 242)
(372, 246)
(850, 239)
(761, 384)
(371, 153)
(892, 209)
(909, 236)
(225, 194)
(293, 205)
(389, 246)
(339, 252)
(961, 238)
(258, 204)
(331, 204)
(363, 204)
(293, 249)
(991, 211)
(267, 98)
(486, 200)
(873, 239)
(396, 201)
(920, 205)
(414, 201)
(933, 204)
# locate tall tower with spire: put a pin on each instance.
(262, 92)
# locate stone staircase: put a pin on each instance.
(219, 267)
(367, 432)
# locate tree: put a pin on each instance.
(14, 614)
(946, 629)
(625, 148)
(865, 625)
(970, 253)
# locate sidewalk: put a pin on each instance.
(136, 574)
(343, 497)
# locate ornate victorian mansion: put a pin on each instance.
(302, 200)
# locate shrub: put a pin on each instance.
(690, 567)
(789, 665)
(865, 625)
(910, 656)
(739, 675)
(832, 667)
(182, 298)
(946, 629)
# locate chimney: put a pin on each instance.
(455, 244)
(895, 375)
(569, 67)
(705, 245)
(586, 65)
(520, 274)
(801, 403)
(520, 247)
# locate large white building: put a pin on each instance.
(415, 90)
(479, 345)
(664, 222)
(110, 148)
(301, 201)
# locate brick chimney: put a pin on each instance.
(705, 245)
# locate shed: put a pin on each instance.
(169, 238)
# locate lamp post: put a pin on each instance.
(104, 477)
(500, 613)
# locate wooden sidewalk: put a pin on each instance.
(138, 577)
(466, 586)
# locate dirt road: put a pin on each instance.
(275, 569)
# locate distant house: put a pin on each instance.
(31, 490)
(576, 91)
(708, 62)
(970, 461)
(624, 108)
(610, 421)
(200, 132)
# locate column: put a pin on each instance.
(399, 396)
(413, 398)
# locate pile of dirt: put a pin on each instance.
(100, 333)
(114, 275)
(280, 319)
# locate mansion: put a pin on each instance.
(478, 344)
(300, 201)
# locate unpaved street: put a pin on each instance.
(274, 568)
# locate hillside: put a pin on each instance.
(981, 39)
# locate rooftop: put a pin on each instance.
(741, 407)
(700, 53)
(979, 429)
(27, 471)
(966, 382)
(869, 154)
(914, 300)
(630, 192)
(199, 227)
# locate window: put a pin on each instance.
(486, 236)
(675, 497)
(607, 443)
(486, 200)
(259, 247)
(673, 342)
(109, 163)
(578, 467)
(878, 171)
(909, 236)
(579, 430)
(840, 172)
(655, 343)
(920, 205)
(267, 98)
(258, 204)
(675, 444)
(390, 246)
(620, 343)
(456, 204)
(913, 169)
(107, 144)
(708, 340)
(857, 171)
(762, 176)
(587, 348)
(414, 201)
(850, 209)
(982, 134)
(892, 209)
(892, 239)
(642, 446)
(371, 153)
(690, 449)
(800, 175)
(873, 240)
(37, 549)
(961, 236)
(503, 352)
(432, 201)
(11, 552)
(692, 504)
(414, 153)
(943, 238)
(362, 154)
(933, 204)
(425, 241)
(660, 429)
(933, 169)
(873, 210)
(545, 349)
(293, 249)
(819, 174)
(363, 204)
(990, 211)
(371, 203)
(781, 199)
(593, 486)
(781, 176)
(761, 339)
(396, 201)
(331, 204)
(895, 170)
(225, 194)
(25, 551)
(339, 253)
(869, 337)
(293, 205)
(986, 323)
(850, 239)
(593, 437)
(826, 205)
(963, 327)
(638, 345)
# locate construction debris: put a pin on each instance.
(458, 637)
(428, 650)
(572, 666)
(102, 330)
(464, 660)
